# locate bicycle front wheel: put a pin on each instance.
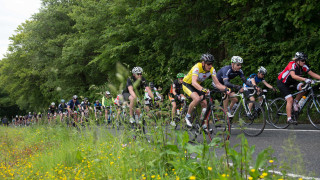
(252, 122)
(218, 124)
(278, 113)
(314, 112)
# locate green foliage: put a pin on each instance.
(71, 45)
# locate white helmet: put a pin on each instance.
(53, 103)
(236, 59)
(137, 70)
(262, 70)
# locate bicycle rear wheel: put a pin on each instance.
(218, 124)
(313, 112)
(252, 124)
(278, 113)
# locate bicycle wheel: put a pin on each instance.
(252, 123)
(194, 131)
(218, 124)
(278, 114)
(313, 112)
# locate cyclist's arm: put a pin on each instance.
(149, 92)
(229, 85)
(218, 84)
(296, 77)
(267, 84)
(195, 84)
(314, 75)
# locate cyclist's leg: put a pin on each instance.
(285, 91)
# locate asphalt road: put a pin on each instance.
(297, 142)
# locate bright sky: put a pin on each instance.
(12, 14)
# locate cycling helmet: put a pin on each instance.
(85, 99)
(75, 97)
(151, 85)
(180, 75)
(236, 59)
(53, 103)
(107, 92)
(262, 70)
(62, 100)
(300, 55)
(97, 101)
(137, 70)
(207, 58)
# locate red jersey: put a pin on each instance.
(285, 77)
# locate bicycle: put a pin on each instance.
(252, 122)
(278, 108)
(215, 121)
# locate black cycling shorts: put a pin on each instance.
(287, 89)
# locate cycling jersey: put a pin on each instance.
(107, 102)
(154, 92)
(85, 105)
(62, 107)
(177, 86)
(226, 73)
(131, 80)
(285, 76)
(52, 109)
(72, 105)
(97, 106)
(118, 100)
(197, 70)
(256, 79)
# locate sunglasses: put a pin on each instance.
(74, 99)
(139, 74)
(303, 60)
(239, 64)
(209, 64)
(180, 78)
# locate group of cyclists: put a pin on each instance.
(189, 86)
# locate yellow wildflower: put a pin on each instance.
(153, 176)
(192, 177)
(253, 170)
(271, 161)
(210, 168)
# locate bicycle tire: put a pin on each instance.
(313, 112)
(218, 124)
(278, 113)
(252, 124)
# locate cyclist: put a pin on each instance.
(73, 106)
(129, 93)
(191, 85)
(147, 98)
(107, 102)
(62, 108)
(176, 95)
(97, 107)
(227, 73)
(255, 79)
(52, 111)
(291, 76)
(85, 107)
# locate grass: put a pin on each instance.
(60, 152)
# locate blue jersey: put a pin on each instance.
(227, 73)
(97, 106)
(256, 79)
(72, 105)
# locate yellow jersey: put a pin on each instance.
(197, 70)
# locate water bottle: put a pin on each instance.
(202, 113)
(178, 111)
(302, 101)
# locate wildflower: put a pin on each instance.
(300, 178)
(271, 161)
(192, 177)
(111, 163)
(250, 178)
(153, 176)
(144, 178)
(173, 169)
(253, 170)
(264, 174)
(210, 168)
(166, 174)
(130, 169)
(261, 177)
(223, 175)
(177, 178)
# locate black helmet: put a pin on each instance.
(300, 55)
(207, 58)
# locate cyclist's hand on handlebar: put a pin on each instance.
(309, 81)
(205, 90)
(274, 89)
(241, 90)
(227, 91)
